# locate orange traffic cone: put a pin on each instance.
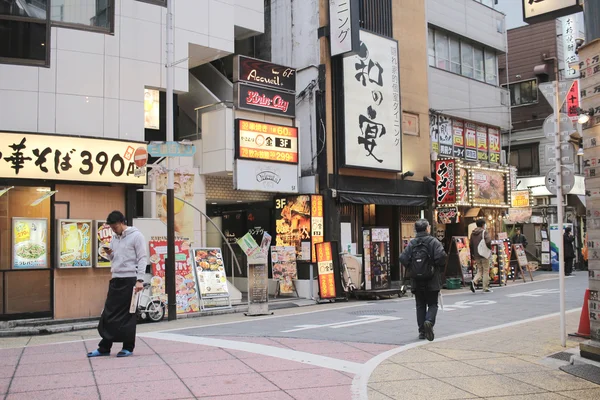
(584, 320)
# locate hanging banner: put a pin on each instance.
(470, 142)
(482, 143)
(446, 136)
(458, 142)
(104, 235)
(184, 189)
(519, 198)
(494, 147)
(284, 270)
(325, 268)
(445, 191)
(30, 243)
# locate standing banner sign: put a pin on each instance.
(211, 279)
(326, 274)
(519, 258)
(458, 263)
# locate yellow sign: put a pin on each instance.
(75, 243)
(520, 198)
(57, 157)
(266, 142)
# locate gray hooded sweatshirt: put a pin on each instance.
(128, 259)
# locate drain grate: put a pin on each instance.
(372, 312)
(563, 356)
(588, 372)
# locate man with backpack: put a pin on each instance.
(424, 257)
(482, 261)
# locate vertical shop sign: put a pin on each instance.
(326, 275)
(104, 235)
(573, 101)
(463, 186)
(344, 25)
(458, 142)
(380, 258)
(434, 133)
(317, 223)
(569, 36)
(445, 190)
(494, 147)
(471, 142)
(446, 139)
(482, 143)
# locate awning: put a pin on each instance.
(382, 199)
(538, 187)
(472, 212)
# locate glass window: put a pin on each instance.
(525, 159)
(24, 8)
(431, 47)
(491, 67)
(23, 40)
(478, 63)
(442, 51)
(523, 93)
(454, 55)
(466, 57)
(92, 13)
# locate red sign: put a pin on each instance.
(326, 274)
(263, 100)
(445, 188)
(140, 157)
(482, 143)
(458, 139)
(573, 101)
(259, 141)
(494, 147)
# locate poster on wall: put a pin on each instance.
(489, 187)
(470, 142)
(75, 243)
(30, 243)
(299, 224)
(463, 186)
(444, 125)
(458, 139)
(372, 121)
(184, 189)
(445, 189)
(464, 256)
(151, 109)
(494, 145)
(380, 258)
(210, 272)
(284, 271)
(186, 295)
(325, 269)
(104, 235)
(482, 143)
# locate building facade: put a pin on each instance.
(81, 88)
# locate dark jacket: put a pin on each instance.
(568, 241)
(476, 236)
(520, 239)
(437, 254)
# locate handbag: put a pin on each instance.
(483, 250)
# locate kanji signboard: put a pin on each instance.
(445, 189)
(260, 141)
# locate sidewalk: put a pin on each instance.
(508, 364)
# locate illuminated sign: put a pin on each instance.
(57, 157)
(519, 198)
(264, 73)
(263, 100)
(265, 142)
(546, 10)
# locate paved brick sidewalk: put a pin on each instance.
(505, 364)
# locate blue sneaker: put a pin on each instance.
(124, 353)
(97, 353)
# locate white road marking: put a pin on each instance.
(534, 293)
(360, 388)
(264, 350)
(366, 319)
(468, 304)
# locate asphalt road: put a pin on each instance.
(394, 322)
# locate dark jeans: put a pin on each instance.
(427, 307)
(568, 266)
(105, 345)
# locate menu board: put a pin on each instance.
(104, 235)
(30, 243)
(521, 255)
(75, 243)
(283, 264)
(185, 289)
(325, 268)
(210, 272)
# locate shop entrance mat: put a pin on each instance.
(588, 372)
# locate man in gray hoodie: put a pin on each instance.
(482, 264)
(127, 254)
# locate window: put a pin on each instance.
(95, 14)
(523, 93)
(24, 31)
(376, 16)
(459, 56)
(525, 159)
(157, 2)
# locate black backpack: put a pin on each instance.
(421, 263)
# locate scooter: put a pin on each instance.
(150, 307)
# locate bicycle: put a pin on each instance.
(150, 307)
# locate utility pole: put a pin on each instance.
(170, 263)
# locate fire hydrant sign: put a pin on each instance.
(326, 275)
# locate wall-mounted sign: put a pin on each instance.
(30, 243)
(264, 73)
(299, 223)
(104, 235)
(344, 26)
(57, 157)
(434, 133)
(488, 187)
(444, 125)
(458, 139)
(75, 243)
(546, 10)
(263, 100)
(569, 36)
(482, 143)
(317, 224)
(494, 145)
(519, 198)
(589, 67)
(447, 215)
(445, 190)
(373, 131)
(470, 142)
(265, 177)
(573, 101)
(266, 142)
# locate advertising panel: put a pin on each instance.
(264, 73)
(316, 223)
(447, 215)
(546, 10)
(266, 142)
(482, 143)
(42, 156)
(494, 145)
(263, 100)
(184, 189)
(463, 186)
(210, 272)
(325, 268)
(104, 235)
(444, 125)
(293, 224)
(284, 270)
(445, 189)
(489, 188)
(30, 243)
(470, 142)
(519, 198)
(265, 177)
(372, 121)
(75, 243)
(458, 139)
(380, 258)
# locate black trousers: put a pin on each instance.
(568, 266)
(116, 323)
(427, 307)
